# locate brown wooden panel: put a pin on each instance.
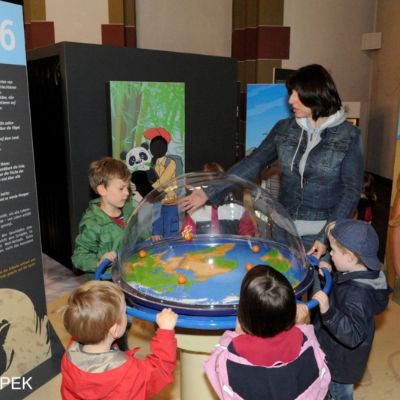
(267, 42)
(130, 36)
(273, 42)
(238, 14)
(252, 13)
(39, 34)
(270, 12)
(251, 71)
(116, 11)
(238, 44)
(113, 35)
(35, 10)
(265, 70)
(129, 13)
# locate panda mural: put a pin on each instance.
(149, 170)
(139, 160)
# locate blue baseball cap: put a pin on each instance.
(360, 238)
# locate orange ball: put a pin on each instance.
(255, 248)
(181, 279)
(248, 266)
(142, 253)
(188, 236)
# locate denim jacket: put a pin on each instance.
(333, 173)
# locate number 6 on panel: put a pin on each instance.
(7, 37)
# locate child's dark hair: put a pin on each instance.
(267, 304)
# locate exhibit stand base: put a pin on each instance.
(194, 348)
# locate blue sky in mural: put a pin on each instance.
(266, 105)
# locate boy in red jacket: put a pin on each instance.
(91, 369)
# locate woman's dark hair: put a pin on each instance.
(316, 90)
(267, 304)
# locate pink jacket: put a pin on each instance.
(307, 377)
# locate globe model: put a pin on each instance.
(195, 262)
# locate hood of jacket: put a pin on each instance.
(373, 281)
(94, 385)
(314, 135)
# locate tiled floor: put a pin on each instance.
(380, 382)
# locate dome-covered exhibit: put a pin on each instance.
(195, 262)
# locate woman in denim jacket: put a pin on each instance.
(320, 159)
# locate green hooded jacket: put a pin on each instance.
(98, 234)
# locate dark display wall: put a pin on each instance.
(69, 105)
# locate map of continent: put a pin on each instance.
(202, 272)
(159, 272)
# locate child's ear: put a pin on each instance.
(238, 328)
(101, 189)
(350, 256)
(113, 331)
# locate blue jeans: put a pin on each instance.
(340, 391)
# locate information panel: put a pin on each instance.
(25, 345)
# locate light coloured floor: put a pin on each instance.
(380, 382)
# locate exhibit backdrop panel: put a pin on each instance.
(26, 353)
(77, 123)
(266, 105)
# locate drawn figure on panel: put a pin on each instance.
(24, 339)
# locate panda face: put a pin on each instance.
(138, 159)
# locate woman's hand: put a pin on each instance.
(317, 250)
(193, 201)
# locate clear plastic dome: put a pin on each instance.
(195, 262)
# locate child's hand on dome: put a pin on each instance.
(302, 314)
(166, 319)
(111, 255)
(323, 301)
(326, 265)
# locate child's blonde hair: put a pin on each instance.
(92, 310)
(102, 171)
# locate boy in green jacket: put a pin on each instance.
(102, 225)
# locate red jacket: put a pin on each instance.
(134, 379)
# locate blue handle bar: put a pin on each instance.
(327, 287)
(98, 275)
